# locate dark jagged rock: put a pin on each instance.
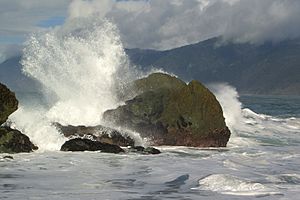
(98, 133)
(8, 157)
(8, 103)
(13, 141)
(137, 149)
(169, 112)
(79, 144)
(152, 150)
(143, 150)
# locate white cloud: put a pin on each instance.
(163, 24)
(166, 24)
(256, 21)
(79, 8)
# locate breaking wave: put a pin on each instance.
(80, 66)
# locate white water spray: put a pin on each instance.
(80, 66)
(232, 107)
(243, 121)
(79, 69)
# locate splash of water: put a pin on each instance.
(79, 69)
(258, 128)
(80, 66)
(232, 107)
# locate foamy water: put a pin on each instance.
(261, 161)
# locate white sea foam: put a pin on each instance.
(245, 122)
(228, 184)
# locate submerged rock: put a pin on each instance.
(8, 103)
(13, 141)
(8, 157)
(136, 149)
(143, 150)
(170, 112)
(79, 144)
(98, 133)
(152, 150)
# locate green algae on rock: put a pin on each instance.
(169, 112)
(8, 103)
(13, 141)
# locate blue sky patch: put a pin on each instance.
(11, 39)
(53, 21)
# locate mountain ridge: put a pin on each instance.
(270, 68)
(267, 69)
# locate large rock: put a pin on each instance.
(98, 133)
(13, 141)
(80, 144)
(168, 111)
(8, 103)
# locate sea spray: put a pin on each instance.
(245, 123)
(233, 113)
(33, 122)
(80, 66)
(232, 107)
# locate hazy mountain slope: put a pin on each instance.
(265, 69)
(12, 76)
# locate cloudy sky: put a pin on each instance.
(156, 24)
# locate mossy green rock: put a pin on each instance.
(170, 112)
(13, 141)
(8, 103)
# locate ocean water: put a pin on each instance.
(261, 161)
(81, 67)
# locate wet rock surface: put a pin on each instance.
(13, 141)
(80, 144)
(98, 133)
(8, 103)
(143, 150)
(168, 111)
(8, 157)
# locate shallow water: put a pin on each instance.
(261, 161)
